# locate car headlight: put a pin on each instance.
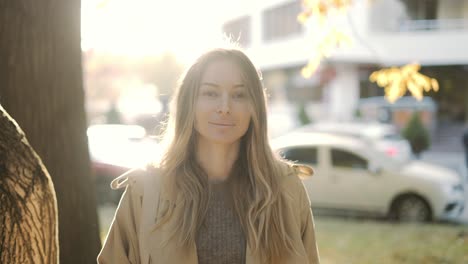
(453, 188)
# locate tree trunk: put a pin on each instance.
(41, 88)
(28, 208)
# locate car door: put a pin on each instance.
(318, 185)
(354, 186)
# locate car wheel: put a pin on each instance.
(412, 208)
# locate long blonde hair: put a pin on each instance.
(255, 177)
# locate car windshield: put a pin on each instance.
(392, 136)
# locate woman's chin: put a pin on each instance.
(221, 139)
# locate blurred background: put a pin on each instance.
(391, 179)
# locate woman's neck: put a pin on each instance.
(217, 159)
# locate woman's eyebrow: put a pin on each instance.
(217, 86)
(210, 84)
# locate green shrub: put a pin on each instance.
(417, 134)
(303, 116)
(357, 113)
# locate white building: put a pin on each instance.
(433, 33)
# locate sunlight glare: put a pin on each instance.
(149, 27)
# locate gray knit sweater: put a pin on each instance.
(220, 239)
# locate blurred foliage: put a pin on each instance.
(163, 71)
(113, 116)
(108, 74)
(417, 134)
(357, 113)
(329, 35)
(397, 81)
(302, 114)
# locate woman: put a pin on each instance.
(221, 194)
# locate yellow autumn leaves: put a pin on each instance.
(330, 38)
(322, 9)
(328, 43)
(395, 80)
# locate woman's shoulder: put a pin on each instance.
(292, 175)
(136, 177)
(295, 170)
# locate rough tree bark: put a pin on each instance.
(28, 208)
(41, 88)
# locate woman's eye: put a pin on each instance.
(239, 95)
(209, 93)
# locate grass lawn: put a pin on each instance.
(345, 241)
(105, 214)
(372, 241)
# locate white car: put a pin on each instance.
(354, 177)
(384, 137)
(114, 149)
(126, 146)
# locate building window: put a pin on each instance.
(368, 88)
(239, 30)
(421, 9)
(281, 21)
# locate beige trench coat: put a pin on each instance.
(122, 245)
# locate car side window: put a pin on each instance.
(300, 155)
(346, 159)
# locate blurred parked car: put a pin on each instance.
(353, 177)
(114, 149)
(384, 137)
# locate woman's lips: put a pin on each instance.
(222, 124)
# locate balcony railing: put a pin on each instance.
(436, 24)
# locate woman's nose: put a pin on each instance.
(224, 105)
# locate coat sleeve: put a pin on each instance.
(308, 237)
(308, 229)
(121, 244)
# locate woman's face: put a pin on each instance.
(222, 110)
